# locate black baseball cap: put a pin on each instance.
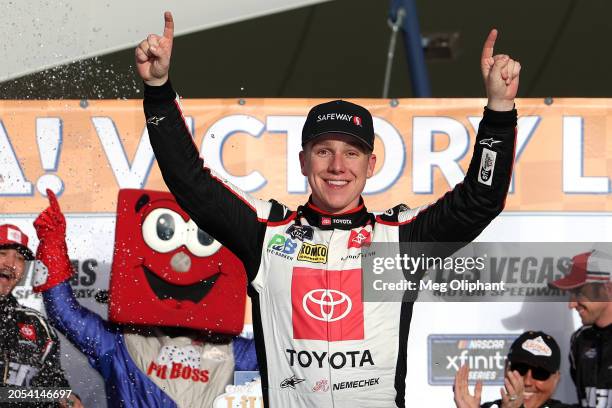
(339, 117)
(537, 349)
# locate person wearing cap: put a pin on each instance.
(589, 284)
(531, 376)
(318, 343)
(29, 345)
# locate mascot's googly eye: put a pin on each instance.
(199, 242)
(163, 230)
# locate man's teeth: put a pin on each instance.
(337, 182)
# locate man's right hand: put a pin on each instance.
(53, 264)
(153, 54)
(463, 398)
(512, 395)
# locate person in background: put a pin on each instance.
(531, 376)
(29, 346)
(590, 286)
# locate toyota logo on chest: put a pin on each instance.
(327, 304)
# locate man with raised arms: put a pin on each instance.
(318, 343)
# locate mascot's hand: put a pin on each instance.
(52, 263)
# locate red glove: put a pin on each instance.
(52, 263)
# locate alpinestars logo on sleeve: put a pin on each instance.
(489, 142)
(154, 120)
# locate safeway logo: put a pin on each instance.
(326, 304)
(357, 121)
(337, 116)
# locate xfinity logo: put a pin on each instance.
(485, 355)
(340, 116)
(491, 362)
(328, 302)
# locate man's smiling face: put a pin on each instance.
(591, 302)
(337, 168)
(12, 268)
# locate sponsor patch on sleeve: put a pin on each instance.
(487, 166)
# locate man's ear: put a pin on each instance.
(371, 165)
(302, 157)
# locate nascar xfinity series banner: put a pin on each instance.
(86, 151)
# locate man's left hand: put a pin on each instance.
(500, 74)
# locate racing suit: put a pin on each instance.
(141, 366)
(318, 344)
(30, 349)
(591, 365)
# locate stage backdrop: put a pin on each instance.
(87, 150)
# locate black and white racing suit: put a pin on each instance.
(30, 351)
(310, 355)
(591, 365)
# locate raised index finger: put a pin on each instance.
(52, 200)
(487, 49)
(168, 25)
